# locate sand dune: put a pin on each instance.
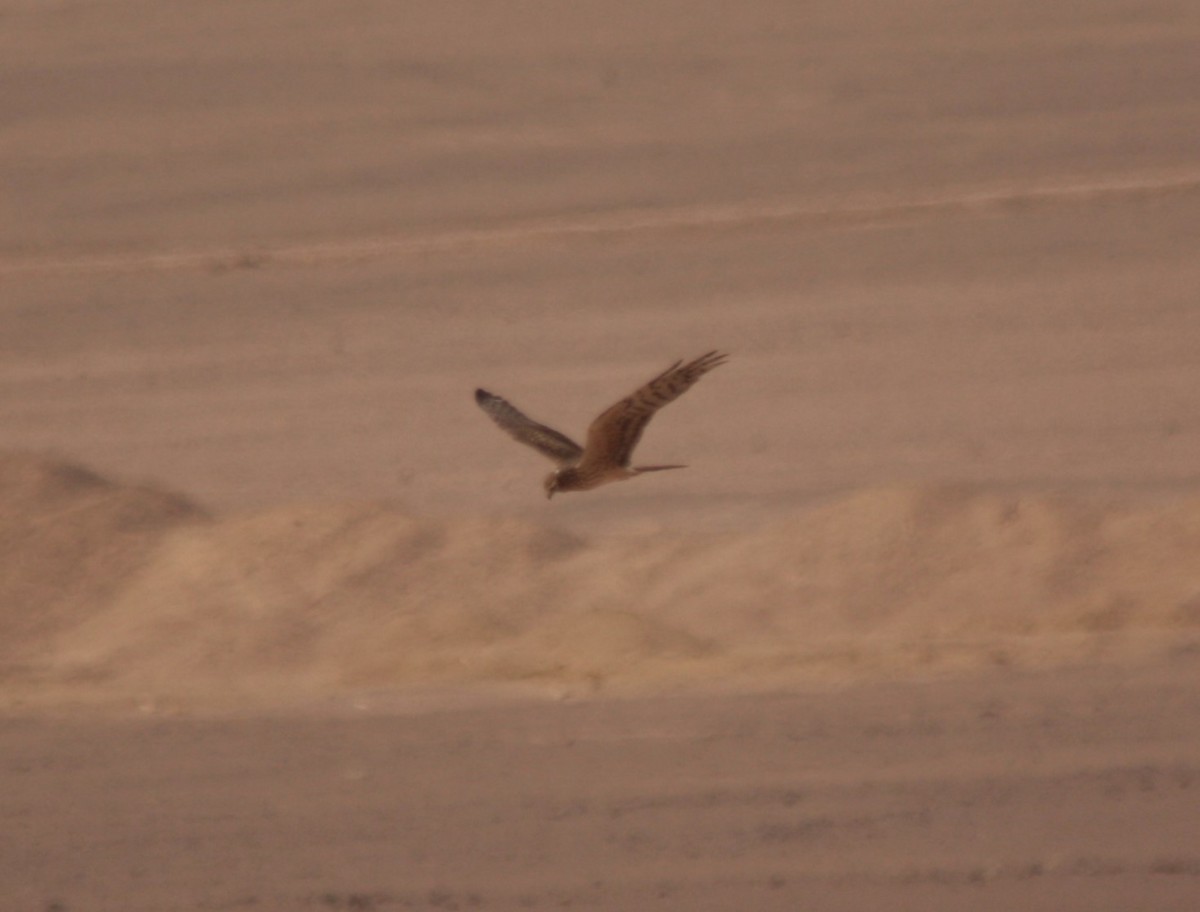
(122, 589)
(69, 542)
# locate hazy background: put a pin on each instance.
(263, 252)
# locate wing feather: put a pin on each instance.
(547, 441)
(617, 430)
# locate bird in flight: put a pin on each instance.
(610, 438)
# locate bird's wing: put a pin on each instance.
(547, 441)
(613, 435)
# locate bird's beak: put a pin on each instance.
(549, 493)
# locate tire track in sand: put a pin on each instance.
(627, 222)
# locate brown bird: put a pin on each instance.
(611, 437)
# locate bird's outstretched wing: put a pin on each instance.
(547, 441)
(616, 431)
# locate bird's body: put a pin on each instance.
(573, 478)
(611, 437)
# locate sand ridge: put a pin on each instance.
(116, 588)
(69, 540)
(630, 222)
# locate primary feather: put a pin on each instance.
(547, 441)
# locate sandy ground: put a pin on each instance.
(996, 793)
(281, 611)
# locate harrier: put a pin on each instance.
(611, 437)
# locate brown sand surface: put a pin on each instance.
(280, 610)
(1071, 791)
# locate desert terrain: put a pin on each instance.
(287, 623)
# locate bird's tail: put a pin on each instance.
(638, 470)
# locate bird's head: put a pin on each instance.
(550, 484)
